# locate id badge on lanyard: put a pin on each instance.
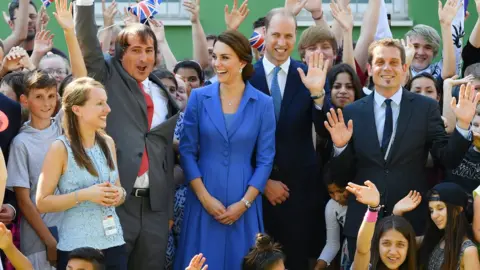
(109, 225)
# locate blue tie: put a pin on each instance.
(276, 94)
(388, 127)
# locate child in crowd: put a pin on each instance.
(335, 212)
(27, 152)
(86, 259)
(12, 85)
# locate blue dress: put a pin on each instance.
(218, 149)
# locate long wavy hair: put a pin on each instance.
(456, 230)
(77, 93)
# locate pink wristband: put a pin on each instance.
(371, 216)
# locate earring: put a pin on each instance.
(241, 70)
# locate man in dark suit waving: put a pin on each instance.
(389, 134)
(294, 201)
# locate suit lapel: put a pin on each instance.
(291, 88)
(402, 122)
(213, 106)
(260, 79)
(250, 93)
(368, 128)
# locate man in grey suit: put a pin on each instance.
(142, 123)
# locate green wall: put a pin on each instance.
(420, 11)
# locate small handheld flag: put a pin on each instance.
(144, 10)
(257, 41)
(47, 3)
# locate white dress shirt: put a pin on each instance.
(160, 112)
(84, 2)
(282, 74)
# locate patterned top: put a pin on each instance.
(82, 225)
(436, 258)
(179, 127)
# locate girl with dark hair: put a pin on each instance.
(344, 84)
(447, 243)
(82, 166)
(425, 84)
(391, 243)
(265, 255)
(225, 125)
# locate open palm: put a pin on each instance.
(317, 73)
(342, 14)
(295, 6)
(64, 14)
(367, 194)
(408, 203)
(234, 18)
(340, 133)
(466, 107)
(43, 42)
(447, 13)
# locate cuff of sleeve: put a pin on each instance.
(14, 210)
(318, 107)
(337, 151)
(465, 133)
(84, 2)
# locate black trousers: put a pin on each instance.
(115, 258)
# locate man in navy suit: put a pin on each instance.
(389, 134)
(294, 195)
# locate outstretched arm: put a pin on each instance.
(20, 31)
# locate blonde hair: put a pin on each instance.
(77, 93)
(313, 35)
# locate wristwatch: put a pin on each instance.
(319, 95)
(375, 209)
(247, 203)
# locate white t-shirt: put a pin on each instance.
(334, 219)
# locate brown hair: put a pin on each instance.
(38, 79)
(264, 255)
(316, 34)
(386, 42)
(77, 93)
(279, 11)
(137, 29)
(240, 45)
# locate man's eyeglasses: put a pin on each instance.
(58, 71)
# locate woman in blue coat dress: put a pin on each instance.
(227, 152)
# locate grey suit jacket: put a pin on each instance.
(128, 122)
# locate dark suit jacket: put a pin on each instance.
(294, 144)
(13, 111)
(420, 129)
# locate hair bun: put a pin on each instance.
(263, 242)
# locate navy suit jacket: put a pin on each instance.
(420, 130)
(294, 144)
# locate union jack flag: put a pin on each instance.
(47, 3)
(257, 41)
(144, 10)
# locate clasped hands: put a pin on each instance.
(225, 215)
(105, 194)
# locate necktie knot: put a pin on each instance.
(388, 102)
(276, 70)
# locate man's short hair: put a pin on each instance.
(91, 255)
(313, 35)
(14, 5)
(259, 23)
(142, 31)
(386, 42)
(279, 11)
(429, 34)
(474, 70)
(211, 37)
(15, 80)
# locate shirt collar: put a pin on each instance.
(269, 67)
(396, 98)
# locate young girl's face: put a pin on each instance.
(393, 248)
(338, 194)
(438, 213)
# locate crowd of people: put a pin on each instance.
(359, 155)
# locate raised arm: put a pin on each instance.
(18, 260)
(446, 14)
(367, 33)
(65, 20)
(86, 31)
(234, 18)
(369, 196)
(448, 85)
(20, 31)
(343, 16)
(105, 33)
(159, 30)
(200, 45)
(475, 35)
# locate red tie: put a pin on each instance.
(149, 101)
